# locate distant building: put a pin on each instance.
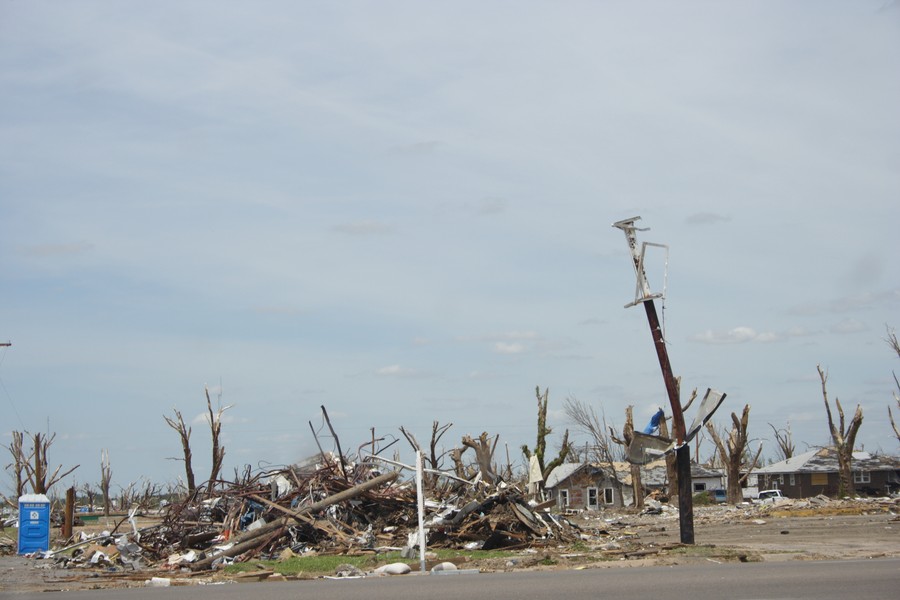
(591, 486)
(582, 486)
(816, 472)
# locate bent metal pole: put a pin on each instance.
(644, 296)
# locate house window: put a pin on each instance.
(819, 479)
(699, 486)
(862, 477)
(592, 498)
(564, 498)
(608, 495)
(793, 480)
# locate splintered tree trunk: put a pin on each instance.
(732, 452)
(637, 487)
(484, 454)
(105, 479)
(39, 467)
(434, 458)
(18, 465)
(844, 438)
(459, 467)
(543, 432)
(184, 432)
(218, 451)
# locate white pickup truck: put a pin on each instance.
(769, 496)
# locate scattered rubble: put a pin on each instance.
(333, 508)
(339, 508)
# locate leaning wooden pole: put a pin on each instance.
(683, 452)
(643, 295)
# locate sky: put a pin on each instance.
(401, 211)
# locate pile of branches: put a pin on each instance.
(340, 508)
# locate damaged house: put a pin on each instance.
(591, 486)
(816, 472)
(583, 486)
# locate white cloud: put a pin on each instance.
(401, 372)
(508, 348)
(738, 335)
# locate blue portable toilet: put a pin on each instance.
(34, 523)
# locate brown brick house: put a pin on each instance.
(816, 472)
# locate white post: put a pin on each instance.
(421, 502)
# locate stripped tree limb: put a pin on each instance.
(843, 437)
(637, 487)
(184, 432)
(484, 454)
(218, 451)
(543, 432)
(733, 453)
(892, 341)
(785, 443)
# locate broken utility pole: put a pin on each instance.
(683, 450)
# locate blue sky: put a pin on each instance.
(401, 211)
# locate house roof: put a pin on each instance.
(561, 472)
(824, 460)
(653, 474)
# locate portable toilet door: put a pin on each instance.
(34, 523)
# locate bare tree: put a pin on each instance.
(892, 341)
(148, 495)
(484, 454)
(891, 415)
(543, 432)
(127, 495)
(461, 469)
(89, 494)
(218, 451)
(437, 432)
(434, 458)
(18, 465)
(637, 487)
(733, 453)
(184, 432)
(586, 420)
(33, 467)
(784, 441)
(105, 480)
(843, 437)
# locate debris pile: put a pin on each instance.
(333, 507)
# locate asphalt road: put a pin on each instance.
(819, 580)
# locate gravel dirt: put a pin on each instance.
(790, 530)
